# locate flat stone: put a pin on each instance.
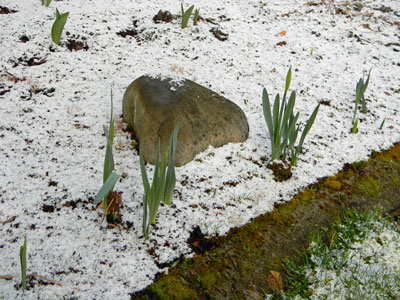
(153, 106)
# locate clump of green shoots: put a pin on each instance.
(22, 257)
(163, 183)
(361, 87)
(110, 177)
(282, 126)
(46, 2)
(58, 26)
(186, 15)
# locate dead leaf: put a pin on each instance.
(282, 33)
(253, 295)
(367, 26)
(274, 281)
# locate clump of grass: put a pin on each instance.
(282, 126)
(186, 15)
(163, 183)
(355, 262)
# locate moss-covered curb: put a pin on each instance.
(242, 262)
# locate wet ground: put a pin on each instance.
(236, 266)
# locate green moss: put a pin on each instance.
(369, 186)
(396, 180)
(333, 184)
(360, 164)
(171, 288)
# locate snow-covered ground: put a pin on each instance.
(52, 148)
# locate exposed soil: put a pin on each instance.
(238, 264)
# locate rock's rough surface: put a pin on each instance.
(153, 107)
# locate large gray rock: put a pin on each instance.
(153, 107)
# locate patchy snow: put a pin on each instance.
(368, 268)
(51, 142)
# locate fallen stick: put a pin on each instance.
(9, 277)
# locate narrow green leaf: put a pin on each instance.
(383, 123)
(186, 16)
(153, 201)
(111, 131)
(145, 180)
(145, 227)
(277, 122)
(109, 159)
(58, 26)
(354, 129)
(363, 89)
(267, 114)
(288, 80)
(22, 256)
(365, 84)
(293, 131)
(289, 109)
(106, 187)
(307, 128)
(196, 16)
(171, 178)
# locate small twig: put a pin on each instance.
(9, 277)
(8, 221)
(44, 278)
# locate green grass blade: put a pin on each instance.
(293, 132)
(289, 110)
(365, 85)
(196, 16)
(145, 225)
(307, 128)
(111, 122)
(276, 115)
(383, 123)
(109, 159)
(58, 26)
(288, 80)
(153, 201)
(171, 178)
(106, 187)
(22, 257)
(363, 89)
(145, 180)
(267, 114)
(354, 129)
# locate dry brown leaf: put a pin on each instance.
(253, 295)
(274, 281)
